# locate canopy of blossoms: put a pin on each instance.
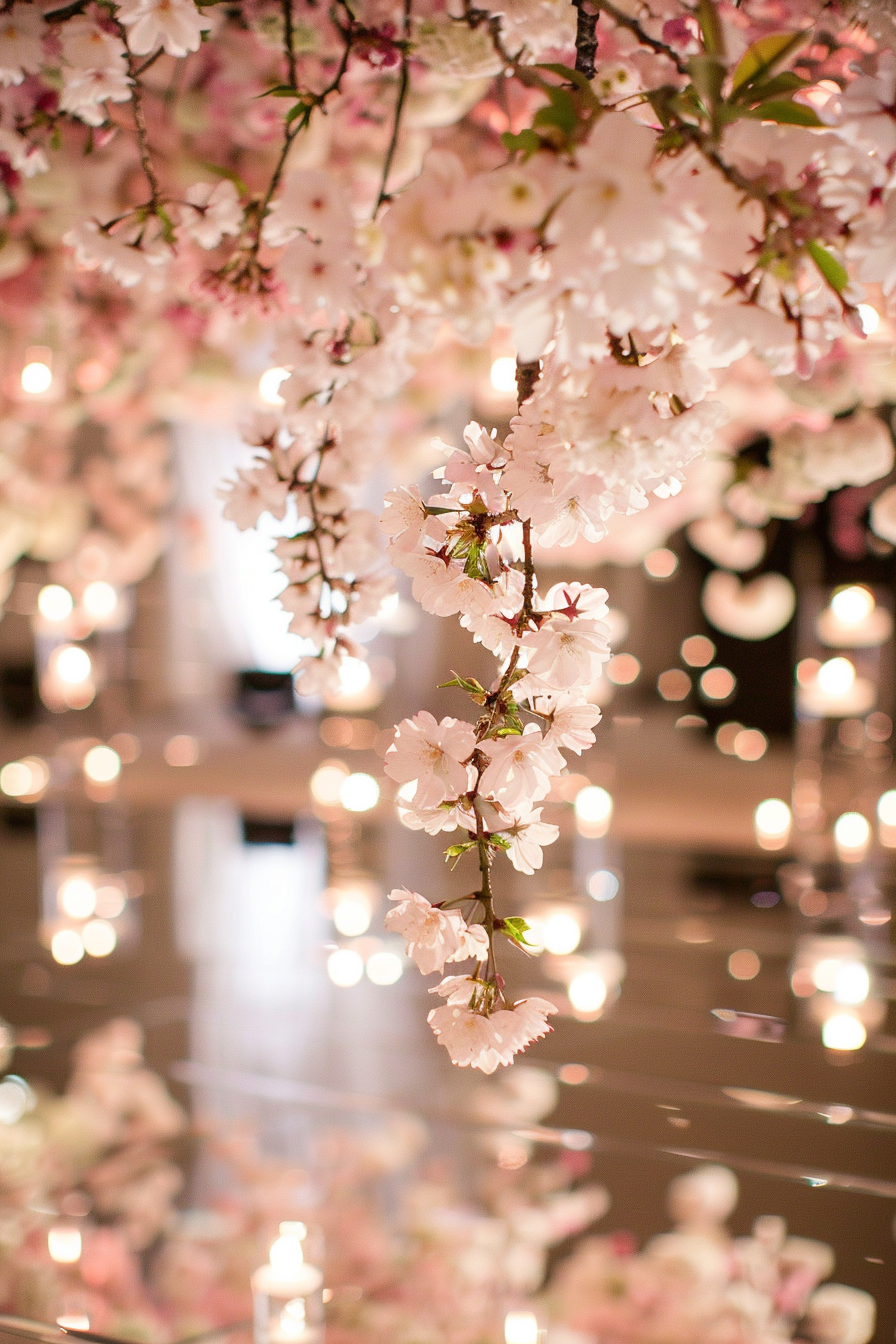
(666, 213)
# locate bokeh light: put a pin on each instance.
(561, 933)
(359, 793)
(181, 751)
(623, 669)
(384, 968)
(269, 386)
(99, 938)
(744, 964)
(661, 563)
(698, 651)
(77, 897)
(843, 1031)
(674, 684)
(853, 605)
(345, 967)
(718, 683)
(55, 603)
(64, 1244)
(602, 885)
(102, 765)
(587, 992)
(593, 809)
(66, 947)
(772, 820)
(836, 676)
(852, 834)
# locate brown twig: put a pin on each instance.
(586, 37)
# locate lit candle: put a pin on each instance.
(853, 620)
(288, 1292)
(835, 692)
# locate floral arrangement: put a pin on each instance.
(91, 1229)
(634, 199)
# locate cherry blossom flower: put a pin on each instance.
(431, 754)
(571, 721)
(566, 652)
(175, 25)
(84, 92)
(21, 49)
(485, 1042)
(528, 835)
(120, 255)
(257, 490)
(24, 157)
(519, 767)
(404, 518)
(312, 202)
(211, 211)
(434, 936)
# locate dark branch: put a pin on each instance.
(586, 38)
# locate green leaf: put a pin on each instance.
(298, 110)
(525, 143)
(833, 270)
(786, 82)
(468, 684)
(708, 76)
(516, 929)
(760, 59)
(560, 112)
(280, 91)
(456, 852)
(786, 113)
(711, 28)
(572, 76)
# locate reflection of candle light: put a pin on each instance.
(292, 1319)
(851, 836)
(836, 676)
(772, 820)
(64, 1244)
(843, 1031)
(521, 1327)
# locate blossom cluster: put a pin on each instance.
(468, 552)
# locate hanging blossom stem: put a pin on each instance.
(289, 42)
(527, 374)
(146, 163)
(403, 85)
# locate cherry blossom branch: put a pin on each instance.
(403, 84)
(624, 20)
(146, 163)
(586, 37)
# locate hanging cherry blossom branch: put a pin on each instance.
(332, 558)
(469, 551)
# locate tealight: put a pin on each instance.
(287, 1292)
(853, 619)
